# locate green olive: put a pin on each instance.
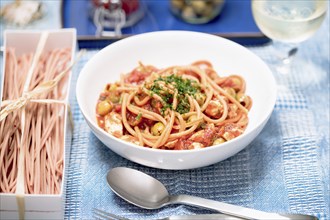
(218, 141)
(237, 83)
(178, 3)
(112, 87)
(208, 11)
(230, 91)
(188, 13)
(192, 118)
(104, 107)
(217, 2)
(114, 98)
(157, 129)
(242, 98)
(198, 6)
(200, 98)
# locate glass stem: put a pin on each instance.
(285, 53)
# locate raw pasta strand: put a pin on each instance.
(43, 141)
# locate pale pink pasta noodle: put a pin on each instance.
(43, 139)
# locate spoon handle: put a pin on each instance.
(224, 208)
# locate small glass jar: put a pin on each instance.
(197, 11)
(116, 15)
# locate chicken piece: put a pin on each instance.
(214, 109)
(232, 111)
(113, 124)
(196, 145)
(198, 136)
(204, 136)
(131, 139)
(231, 131)
(171, 144)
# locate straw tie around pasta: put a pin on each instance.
(30, 133)
(32, 96)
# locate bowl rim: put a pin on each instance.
(164, 151)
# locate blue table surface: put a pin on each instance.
(235, 21)
(285, 169)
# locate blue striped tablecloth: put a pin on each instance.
(285, 169)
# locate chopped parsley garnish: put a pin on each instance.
(138, 117)
(184, 87)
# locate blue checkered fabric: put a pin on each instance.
(285, 169)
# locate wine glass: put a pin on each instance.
(287, 23)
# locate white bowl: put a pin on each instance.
(168, 48)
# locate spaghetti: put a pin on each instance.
(43, 137)
(179, 107)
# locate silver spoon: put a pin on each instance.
(147, 192)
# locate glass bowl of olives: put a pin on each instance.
(196, 11)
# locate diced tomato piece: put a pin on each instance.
(139, 74)
(117, 108)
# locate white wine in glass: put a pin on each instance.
(289, 22)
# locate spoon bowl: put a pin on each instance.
(147, 192)
(137, 188)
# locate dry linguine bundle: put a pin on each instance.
(32, 121)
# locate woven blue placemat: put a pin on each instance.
(285, 169)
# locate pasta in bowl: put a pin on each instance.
(179, 107)
(176, 99)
